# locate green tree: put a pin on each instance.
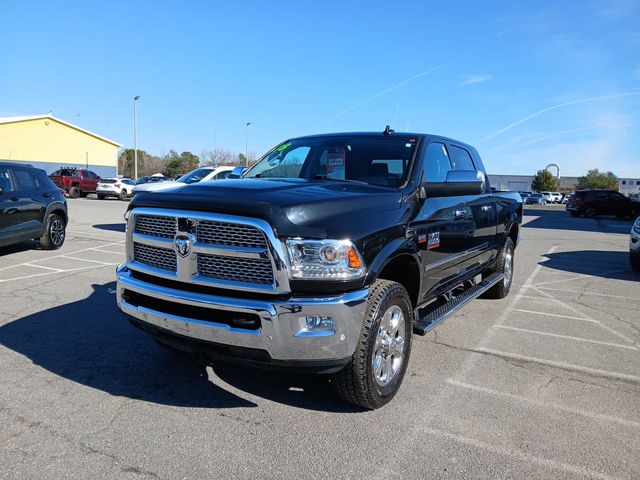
(544, 181)
(180, 164)
(597, 179)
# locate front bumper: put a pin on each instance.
(279, 335)
(634, 243)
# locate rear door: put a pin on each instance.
(32, 198)
(10, 211)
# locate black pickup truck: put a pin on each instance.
(327, 256)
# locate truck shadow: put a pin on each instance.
(111, 227)
(90, 342)
(598, 263)
(562, 220)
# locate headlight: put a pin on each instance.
(636, 226)
(324, 260)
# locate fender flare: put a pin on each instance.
(391, 251)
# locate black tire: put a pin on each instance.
(123, 195)
(634, 261)
(54, 233)
(101, 196)
(504, 265)
(590, 212)
(358, 383)
(74, 192)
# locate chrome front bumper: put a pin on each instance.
(634, 243)
(280, 330)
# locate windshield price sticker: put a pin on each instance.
(335, 164)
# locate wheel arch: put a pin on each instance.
(399, 263)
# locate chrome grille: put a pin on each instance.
(157, 257)
(235, 269)
(156, 226)
(230, 234)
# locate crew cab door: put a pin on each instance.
(10, 211)
(33, 200)
(443, 226)
(482, 208)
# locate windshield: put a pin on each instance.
(377, 161)
(195, 175)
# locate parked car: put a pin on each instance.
(524, 195)
(592, 203)
(566, 198)
(115, 187)
(150, 179)
(634, 246)
(202, 174)
(31, 206)
(327, 255)
(552, 197)
(535, 199)
(76, 182)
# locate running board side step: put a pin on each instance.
(422, 324)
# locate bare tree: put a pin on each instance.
(218, 156)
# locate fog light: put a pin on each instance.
(316, 325)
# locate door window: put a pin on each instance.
(461, 159)
(25, 180)
(436, 162)
(5, 180)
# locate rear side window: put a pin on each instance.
(5, 180)
(25, 180)
(436, 162)
(461, 159)
(108, 180)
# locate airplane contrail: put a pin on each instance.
(555, 107)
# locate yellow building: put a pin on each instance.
(49, 143)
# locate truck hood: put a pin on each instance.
(156, 186)
(294, 207)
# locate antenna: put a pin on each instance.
(388, 131)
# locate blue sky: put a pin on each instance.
(528, 83)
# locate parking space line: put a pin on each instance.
(53, 273)
(588, 293)
(98, 249)
(85, 260)
(539, 403)
(562, 365)
(41, 266)
(568, 337)
(545, 314)
(522, 456)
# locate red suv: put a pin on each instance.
(76, 182)
(591, 203)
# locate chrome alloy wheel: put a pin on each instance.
(389, 348)
(508, 268)
(56, 232)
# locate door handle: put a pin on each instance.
(14, 199)
(459, 214)
(46, 195)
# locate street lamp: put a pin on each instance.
(246, 144)
(135, 139)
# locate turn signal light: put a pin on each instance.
(354, 260)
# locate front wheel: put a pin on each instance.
(504, 265)
(590, 212)
(54, 233)
(74, 192)
(374, 374)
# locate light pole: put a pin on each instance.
(135, 139)
(246, 144)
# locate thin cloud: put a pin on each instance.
(556, 107)
(473, 79)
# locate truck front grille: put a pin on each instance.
(235, 269)
(218, 250)
(162, 258)
(156, 226)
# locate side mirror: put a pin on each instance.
(458, 183)
(237, 172)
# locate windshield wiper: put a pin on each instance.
(326, 177)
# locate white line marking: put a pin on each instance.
(568, 337)
(54, 273)
(58, 256)
(41, 266)
(108, 251)
(85, 260)
(539, 403)
(545, 314)
(497, 449)
(587, 293)
(563, 365)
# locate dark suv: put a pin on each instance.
(31, 206)
(591, 203)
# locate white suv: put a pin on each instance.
(552, 197)
(115, 187)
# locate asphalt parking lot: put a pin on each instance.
(542, 384)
